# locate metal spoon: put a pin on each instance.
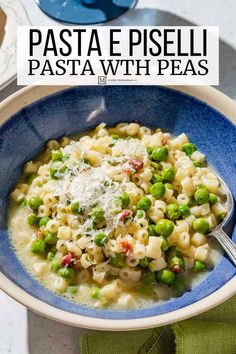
(218, 232)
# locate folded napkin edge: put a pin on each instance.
(178, 338)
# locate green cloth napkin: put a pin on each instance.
(213, 332)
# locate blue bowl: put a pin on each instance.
(81, 108)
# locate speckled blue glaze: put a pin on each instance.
(81, 108)
(85, 12)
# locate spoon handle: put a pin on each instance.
(228, 245)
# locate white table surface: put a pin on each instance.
(23, 332)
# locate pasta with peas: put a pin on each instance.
(117, 217)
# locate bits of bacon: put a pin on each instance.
(125, 214)
(66, 260)
(136, 164)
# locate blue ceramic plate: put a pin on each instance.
(79, 109)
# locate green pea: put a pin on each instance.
(110, 276)
(168, 174)
(87, 161)
(150, 150)
(57, 167)
(65, 157)
(157, 190)
(140, 214)
(166, 276)
(156, 178)
(35, 203)
(164, 244)
(178, 284)
(152, 230)
(145, 290)
(100, 239)
(184, 210)
(66, 273)
(114, 136)
(94, 293)
(55, 265)
(98, 215)
(31, 177)
(169, 186)
(73, 289)
(173, 252)
(75, 208)
(118, 260)
(221, 216)
(22, 203)
(38, 246)
(192, 202)
(164, 227)
(155, 165)
(197, 164)
(176, 261)
(199, 266)
(57, 155)
(199, 186)
(173, 212)
(33, 220)
(189, 148)
(144, 204)
(51, 239)
(160, 153)
(50, 256)
(213, 198)
(143, 263)
(201, 196)
(53, 172)
(201, 225)
(148, 277)
(43, 221)
(125, 199)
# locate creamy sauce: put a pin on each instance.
(93, 185)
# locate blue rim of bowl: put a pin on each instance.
(146, 312)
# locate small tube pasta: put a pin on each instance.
(52, 226)
(43, 210)
(131, 274)
(201, 254)
(17, 195)
(53, 145)
(84, 261)
(183, 240)
(64, 233)
(40, 267)
(188, 187)
(49, 200)
(139, 251)
(59, 284)
(153, 249)
(218, 209)
(157, 264)
(125, 300)
(111, 290)
(178, 142)
(198, 239)
(83, 276)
